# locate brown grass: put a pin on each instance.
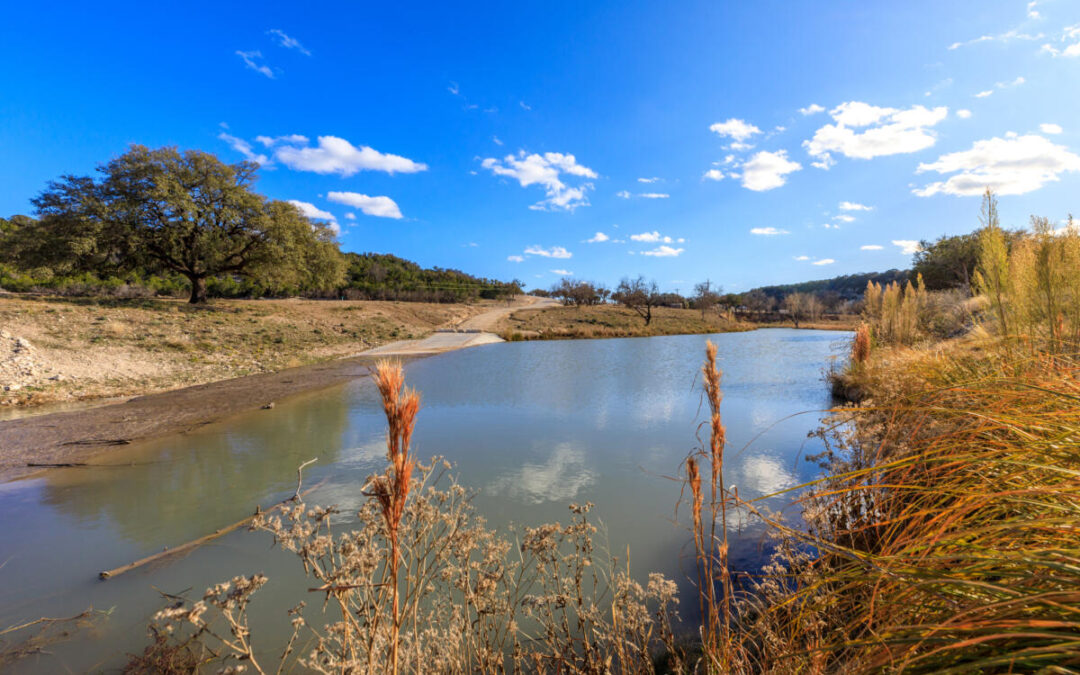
(611, 321)
(104, 348)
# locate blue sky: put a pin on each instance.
(749, 143)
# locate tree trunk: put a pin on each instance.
(198, 290)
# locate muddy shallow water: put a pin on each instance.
(531, 426)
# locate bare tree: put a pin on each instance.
(638, 295)
(706, 296)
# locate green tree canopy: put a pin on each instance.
(184, 212)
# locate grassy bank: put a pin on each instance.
(54, 349)
(610, 321)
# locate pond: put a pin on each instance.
(531, 426)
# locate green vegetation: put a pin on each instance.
(165, 222)
(374, 276)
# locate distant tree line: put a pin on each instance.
(166, 222)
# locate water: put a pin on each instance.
(533, 426)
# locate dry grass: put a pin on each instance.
(102, 348)
(611, 321)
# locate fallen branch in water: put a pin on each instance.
(195, 543)
(58, 465)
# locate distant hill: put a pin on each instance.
(847, 287)
(382, 276)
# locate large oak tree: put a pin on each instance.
(189, 213)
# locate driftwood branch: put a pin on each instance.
(191, 545)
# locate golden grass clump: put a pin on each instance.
(860, 347)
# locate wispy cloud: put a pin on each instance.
(823, 261)
(288, 42)
(598, 238)
(864, 131)
(1013, 165)
(553, 252)
(251, 60)
(663, 252)
(336, 155)
(767, 231)
(907, 246)
(871, 247)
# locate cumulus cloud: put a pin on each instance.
(251, 60)
(767, 170)
(855, 206)
(736, 129)
(623, 194)
(802, 257)
(812, 109)
(864, 131)
(563, 273)
(244, 148)
(1052, 129)
(844, 218)
(871, 247)
(553, 252)
(313, 212)
(655, 237)
(984, 94)
(337, 155)
(547, 171)
(288, 42)
(907, 246)
(1009, 166)
(1068, 34)
(663, 252)
(350, 216)
(598, 238)
(823, 261)
(767, 231)
(382, 207)
(714, 174)
(653, 195)
(648, 180)
(515, 258)
(963, 113)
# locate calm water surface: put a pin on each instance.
(532, 426)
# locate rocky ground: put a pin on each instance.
(54, 350)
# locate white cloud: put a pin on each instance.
(802, 257)
(251, 62)
(524, 105)
(313, 212)
(735, 129)
(545, 170)
(564, 273)
(714, 174)
(963, 113)
(244, 148)
(812, 109)
(496, 141)
(515, 258)
(654, 237)
(767, 231)
(907, 246)
(854, 206)
(295, 139)
(984, 94)
(598, 237)
(1009, 166)
(888, 131)
(766, 170)
(337, 155)
(871, 247)
(1052, 129)
(823, 261)
(1008, 36)
(663, 252)
(288, 42)
(654, 195)
(623, 194)
(350, 216)
(654, 179)
(382, 207)
(553, 252)
(843, 218)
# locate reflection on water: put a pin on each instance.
(530, 427)
(559, 479)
